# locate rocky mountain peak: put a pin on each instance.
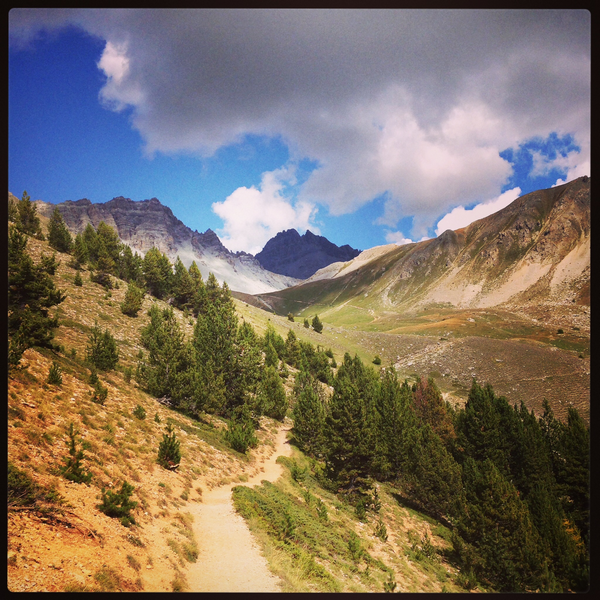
(300, 256)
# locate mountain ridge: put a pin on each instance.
(537, 249)
(147, 223)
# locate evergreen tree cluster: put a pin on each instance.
(513, 488)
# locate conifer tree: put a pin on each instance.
(316, 324)
(293, 351)
(72, 469)
(169, 453)
(497, 525)
(182, 287)
(80, 252)
(430, 407)
(271, 358)
(349, 427)
(59, 236)
(271, 395)
(199, 296)
(309, 414)
(28, 221)
(102, 351)
(157, 273)
(165, 343)
(133, 300)
(90, 241)
(31, 293)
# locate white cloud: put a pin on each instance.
(252, 216)
(461, 217)
(397, 237)
(414, 104)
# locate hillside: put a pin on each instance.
(142, 225)
(535, 251)
(64, 543)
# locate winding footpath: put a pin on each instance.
(229, 559)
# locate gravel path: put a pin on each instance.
(229, 559)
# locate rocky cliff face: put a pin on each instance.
(142, 225)
(289, 253)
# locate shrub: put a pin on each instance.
(240, 433)
(377, 360)
(290, 317)
(306, 324)
(119, 505)
(99, 393)
(169, 455)
(134, 298)
(139, 412)
(78, 281)
(102, 351)
(316, 324)
(55, 375)
(72, 469)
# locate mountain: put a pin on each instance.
(291, 254)
(148, 223)
(535, 251)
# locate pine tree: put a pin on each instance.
(59, 236)
(497, 525)
(169, 454)
(182, 287)
(27, 220)
(80, 252)
(102, 351)
(316, 324)
(430, 407)
(157, 273)
(293, 351)
(165, 343)
(309, 414)
(72, 469)
(134, 297)
(90, 242)
(31, 293)
(199, 297)
(271, 395)
(349, 427)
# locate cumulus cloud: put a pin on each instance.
(397, 237)
(461, 217)
(416, 104)
(252, 216)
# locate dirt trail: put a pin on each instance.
(229, 559)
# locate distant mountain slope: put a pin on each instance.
(536, 250)
(291, 254)
(148, 223)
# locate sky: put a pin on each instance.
(366, 126)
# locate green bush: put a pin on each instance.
(99, 393)
(78, 281)
(377, 360)
(55, 375)
(102, 351)
(119, 505)
(169, 455)
(240, 432)
(140, 412)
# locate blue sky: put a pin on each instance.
(368, 127)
